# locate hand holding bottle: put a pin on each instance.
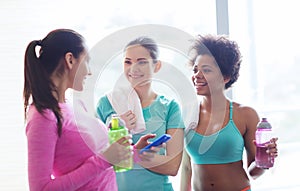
(266, 147)
(119, 151)
(116, 132)
(272, 147)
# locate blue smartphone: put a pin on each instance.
(162, 139)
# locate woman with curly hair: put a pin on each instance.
(215, 145)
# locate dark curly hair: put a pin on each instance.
(225, 52)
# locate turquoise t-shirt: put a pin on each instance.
(161, 115)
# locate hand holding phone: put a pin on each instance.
(162, 139)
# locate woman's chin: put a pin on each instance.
(140, 83)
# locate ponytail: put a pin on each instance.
(38, 69)
(38, 86)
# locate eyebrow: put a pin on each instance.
(202, 66)
(207, 65)
(137, 59)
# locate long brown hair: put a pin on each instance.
(38, 69)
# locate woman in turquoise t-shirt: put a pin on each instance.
(161, 115)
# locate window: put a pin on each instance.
(268, 36)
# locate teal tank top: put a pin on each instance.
(222, 147)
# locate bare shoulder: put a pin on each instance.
(244, 110)
(245, 114)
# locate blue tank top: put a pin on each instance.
(222, 147)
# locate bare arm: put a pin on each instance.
(168, 164)
(251, 120)
(256, 172)
(186, 172)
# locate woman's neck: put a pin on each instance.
(214, 103)
(146, 95)
(61, 88)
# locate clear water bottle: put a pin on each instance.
(263, 135)
(117, 131)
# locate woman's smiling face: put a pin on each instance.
(138, 65)
(207, 77)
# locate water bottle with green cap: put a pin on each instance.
(116, 131)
